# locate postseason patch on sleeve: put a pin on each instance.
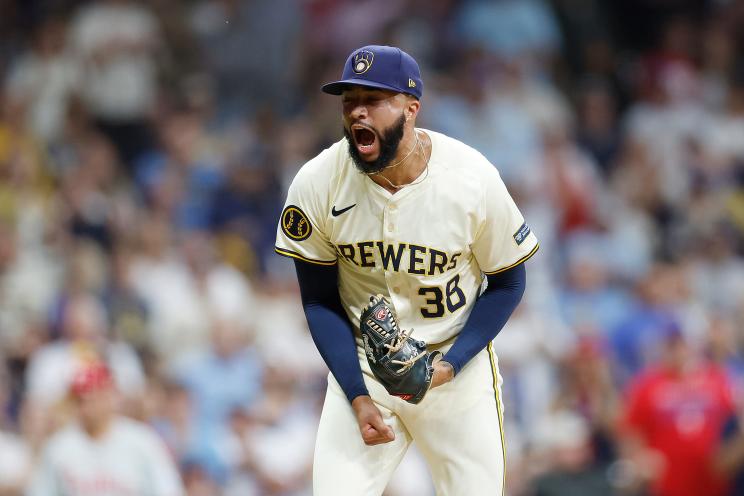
(522, 233)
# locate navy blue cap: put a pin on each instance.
(378, 66)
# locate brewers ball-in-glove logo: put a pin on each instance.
(295, 224)
(402, 364)
(363, 61)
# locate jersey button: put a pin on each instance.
(390, 227)
(396, 290)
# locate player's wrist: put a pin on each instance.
(360, 401)
(443, 373)
(451, 363)
(450, 368)
(355, 390)
(447, 368)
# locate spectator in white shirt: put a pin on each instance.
(117, 42)
(103, 453)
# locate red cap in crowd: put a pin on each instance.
(91, 378)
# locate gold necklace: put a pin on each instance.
(396, 164)
(399, 186)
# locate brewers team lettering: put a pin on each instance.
(420, 260)
(414, 259)
(295, 223)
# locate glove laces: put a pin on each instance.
(399, 342)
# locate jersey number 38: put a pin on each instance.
(452, 296)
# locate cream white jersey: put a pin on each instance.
(426, 247)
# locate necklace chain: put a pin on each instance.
(399, 186)
(413, 148)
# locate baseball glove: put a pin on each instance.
(398, 361)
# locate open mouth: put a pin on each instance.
(364, 139)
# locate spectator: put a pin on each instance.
(280, 447)
(118, 43)
(564, 438)
(673, 419)
(598, 133)
(44, 79)
(723, 347)
(517, 29)
(181, 179)
(528, 360)
(185, 289)
(271, 24)
(173, 418)
(638, 340)
(567, 178)
(219, 380)
(103, 452)
(474, 111)
(591, 302)
(587, 389)
(729, 456)
(93, 193)
(84, 339)
(15, 453)
(127, 312)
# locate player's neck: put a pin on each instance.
(98, 429)
(413, 157)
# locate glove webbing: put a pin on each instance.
(399, 342)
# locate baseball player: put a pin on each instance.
(103, 454)
(425, 221)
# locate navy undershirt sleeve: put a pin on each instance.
(329, 326)
(490, 312)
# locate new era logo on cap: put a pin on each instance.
(379, 66)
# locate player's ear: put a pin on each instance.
(412, 108)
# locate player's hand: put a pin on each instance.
(371, 425)
(443, 373)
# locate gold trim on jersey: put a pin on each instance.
(292, 254)
(521, 260)
(495, 375)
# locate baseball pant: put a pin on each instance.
(458, 427)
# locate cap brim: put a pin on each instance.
(337, 87)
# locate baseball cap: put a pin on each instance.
(90, 378)
(379, 66)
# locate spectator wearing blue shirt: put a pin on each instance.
(219, 379)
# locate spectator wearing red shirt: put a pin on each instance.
(673, 418)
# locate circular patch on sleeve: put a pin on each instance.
(295, 223)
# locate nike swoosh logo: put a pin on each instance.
(336, 213)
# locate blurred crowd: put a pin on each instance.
(145, 151)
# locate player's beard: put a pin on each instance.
(388, 143)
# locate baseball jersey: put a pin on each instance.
(129, 460)
(682, 417)
(426, 247)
